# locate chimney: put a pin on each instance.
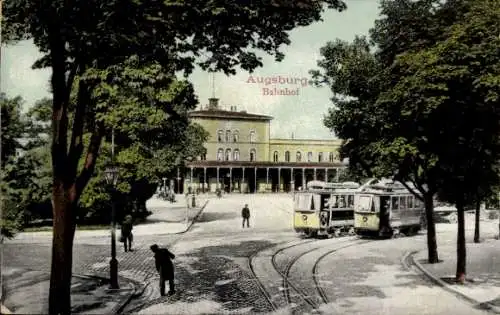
(213, 103)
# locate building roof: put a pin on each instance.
(225, 114)
(262, 164)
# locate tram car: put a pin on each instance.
(387, 209)
(325, 209)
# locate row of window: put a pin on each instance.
(233, 136)
(405, 202)
(235, 156)
(298, 157)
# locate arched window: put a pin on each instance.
(228, 154)
(220, 155)
(287, 156)
(228, 135)
(320, 157)
(253, 155)
(236, 136)
(275, 156)
(236, 155)
(219, 135)
(298, 157)
(330, 157)
(252, 136)
(309, 156)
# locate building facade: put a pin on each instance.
(241, 156)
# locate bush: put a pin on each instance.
(493, 214)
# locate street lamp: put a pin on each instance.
(111, 174)
(177, 162)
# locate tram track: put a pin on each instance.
(286, 283)
(310, 299)
(317, 284)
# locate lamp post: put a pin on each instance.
(111, 174)
(112, 178)
(177, 161)
(164, 184)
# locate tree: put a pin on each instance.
(12, 131)
(12, 126)
(456, 81)
(170, 33)
(375, 140)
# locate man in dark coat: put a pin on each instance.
(127, 235)
(165, 267)
(245, 214)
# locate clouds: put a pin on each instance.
(301, 114)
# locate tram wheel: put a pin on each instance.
(396, 233)
(312, 234)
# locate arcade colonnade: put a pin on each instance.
(252, 179)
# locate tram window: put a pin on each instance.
(410, 202)
(335, 201)
(402, 202)
(395, 203)
(342, 203)
(350, 201)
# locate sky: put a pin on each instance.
(300, 114)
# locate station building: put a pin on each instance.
(241, 157)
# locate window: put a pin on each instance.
(220, 155)
(350, 201)
(203, 157)
(320, 157)
(395, 203)
(402, 202)
(236, 155)
(342, 203)
(252, 136)
(287, 156)
(409, 199)
(228, 154)
(309, 156)
(298, 158)
(253, 155)
(219, 136)
(235, 136)
(228, 135)
(275, 156)
(330, 157)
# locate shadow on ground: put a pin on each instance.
(217, 216)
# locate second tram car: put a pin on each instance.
(387, 209)
(325, 209)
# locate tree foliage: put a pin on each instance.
(12, 126)
(85, 42)
(420, 103)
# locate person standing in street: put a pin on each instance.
(245, 214)
(165, 268)
(126, 230)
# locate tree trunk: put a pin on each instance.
(461, 250)
(62, 251)
(477, 221)
(431, 230)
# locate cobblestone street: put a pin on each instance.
(223, 268)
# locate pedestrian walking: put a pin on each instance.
(165, 267)
(245, 214)
(127, 236)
